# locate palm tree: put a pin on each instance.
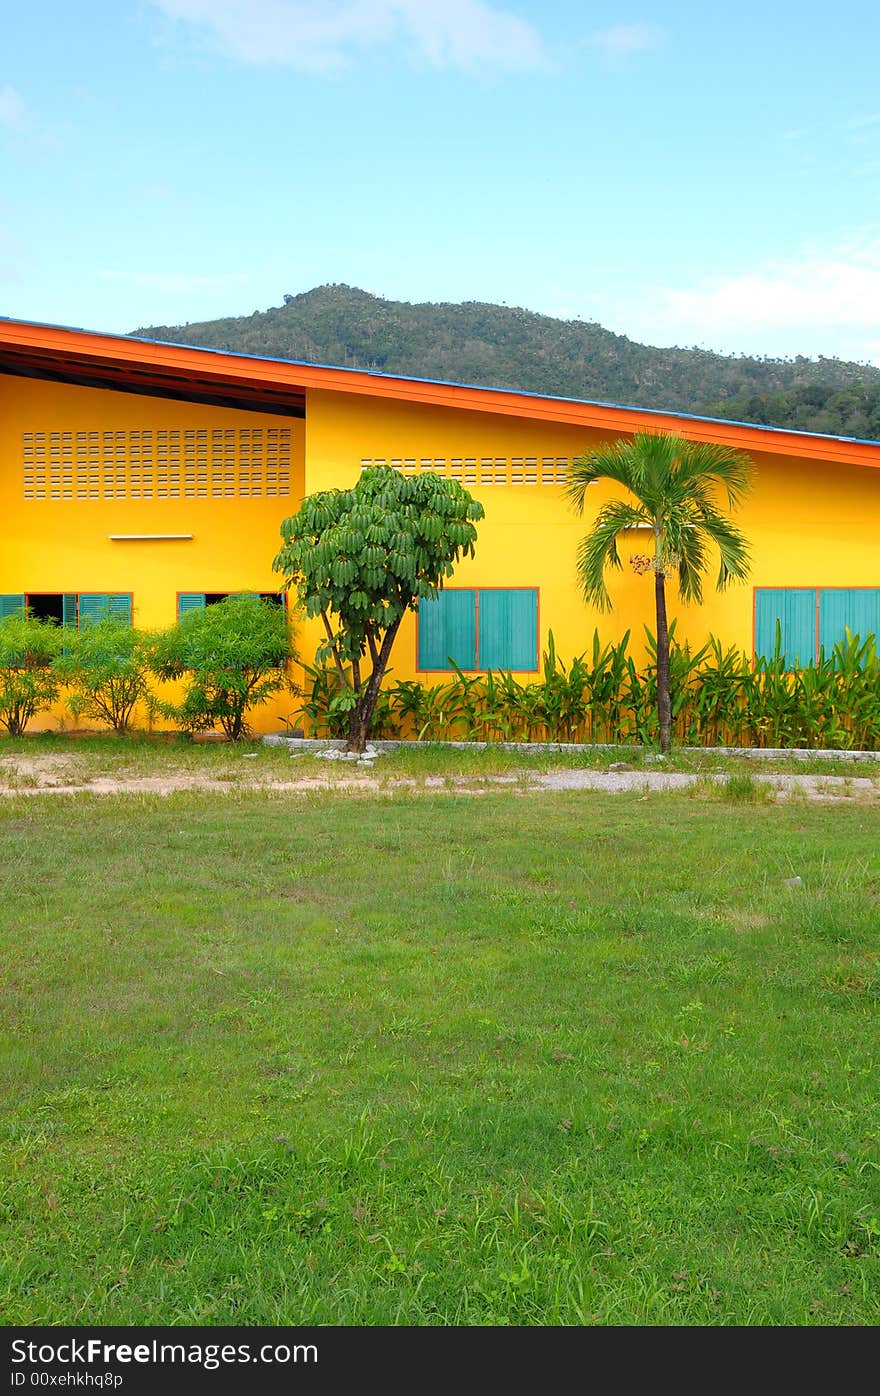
(674, 487)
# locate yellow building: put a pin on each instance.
(156, 476)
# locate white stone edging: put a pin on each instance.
(320, 744)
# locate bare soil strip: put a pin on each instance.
(58, 775)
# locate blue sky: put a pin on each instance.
(682, 173)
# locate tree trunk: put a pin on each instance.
(358, 726)
(362, 713)
(664, 697)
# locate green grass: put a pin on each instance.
(439, 1059)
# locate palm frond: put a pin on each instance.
(733, 548)
(706, 464)
(675, 486)
(598, 549)
(692, 561)
(619, 463)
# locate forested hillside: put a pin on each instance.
(850, 411)
(505, 347)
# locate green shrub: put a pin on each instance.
(28, 682)
(232, 657)
(719, 697)
(106, 665)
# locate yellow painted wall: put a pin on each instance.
(809, 523)
(62, 545)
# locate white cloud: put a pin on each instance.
(621, 40)
(12, 109)
(319, 37)
(813, 289)
(816, 302)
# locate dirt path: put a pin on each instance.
(65, 775)
(811, 787)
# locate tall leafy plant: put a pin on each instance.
(106, 665)
(231, 656)
(722, 698)
(28, 681)
(673, 487)
(359, 559)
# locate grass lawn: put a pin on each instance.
(409, 1058)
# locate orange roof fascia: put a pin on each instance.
(211, 367)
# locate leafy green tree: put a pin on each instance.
(28, 682)
(106, 664)
(233, 656)
(673, 486)
(853, 410)
(361, 558)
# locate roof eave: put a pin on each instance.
(275, 377)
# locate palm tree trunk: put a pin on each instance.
(664, 697)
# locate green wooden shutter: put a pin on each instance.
(856, 610)
(508, 629)
(120, 606)
(795, 609)
(189, 601)
(101, 605)
(448, 631)
(11, 605)
(93, 605)
(69, 613)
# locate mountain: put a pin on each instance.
(505, 347)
